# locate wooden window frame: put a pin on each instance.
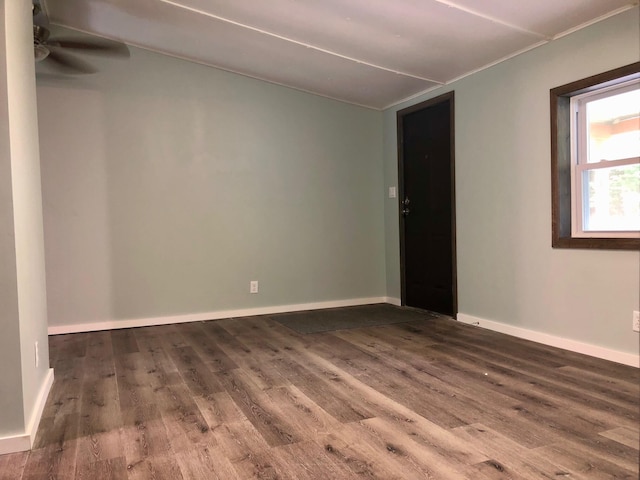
(561, 161)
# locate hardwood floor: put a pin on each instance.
(249, 398)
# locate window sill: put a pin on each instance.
(597, 243)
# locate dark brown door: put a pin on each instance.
(427, 205)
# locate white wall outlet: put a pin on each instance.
(636, 321)
(35, 347)
(253, 286)
(392, 192)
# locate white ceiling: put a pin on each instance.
(369, 52)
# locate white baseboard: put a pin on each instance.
(554, 341)
(393, 301)
(17, 443)
(36, 415)
(544, 338)
(23, 442)
(218, 315)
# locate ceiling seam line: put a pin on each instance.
(460, 77)
(302, 44)
(595, 20)
(492, 19)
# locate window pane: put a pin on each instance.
(614, 127)
(612, 199)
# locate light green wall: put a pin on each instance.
(168, 186)
(11, 408)
(507, 270)
(22, 277)
(27, 202)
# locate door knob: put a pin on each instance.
(405, 211)
(406, 201)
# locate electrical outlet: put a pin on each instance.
(37, 354)
(636, 321)
(253, 286)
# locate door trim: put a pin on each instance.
(447, 97)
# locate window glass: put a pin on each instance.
(614, 127)
(613, 198)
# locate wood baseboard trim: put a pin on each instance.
(218, 315)
(553, 341)
(23, 442)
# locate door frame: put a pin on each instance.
(446, 97)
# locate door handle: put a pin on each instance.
(405, 211)
(406, 201)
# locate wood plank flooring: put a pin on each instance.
(249, 398)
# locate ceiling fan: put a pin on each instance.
(56, 51)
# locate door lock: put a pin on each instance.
(405, 210)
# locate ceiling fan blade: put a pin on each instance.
(69, 65)
(51, 77)
(98, 47)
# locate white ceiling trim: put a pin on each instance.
(595, 20)
(391, 105)
(484, 67)
(520, 52)
(361, 60)
(230, 70)
(302, 44)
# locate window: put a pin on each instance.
(605, 171)
(595, 156)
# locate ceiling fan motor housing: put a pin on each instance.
(40, 36)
